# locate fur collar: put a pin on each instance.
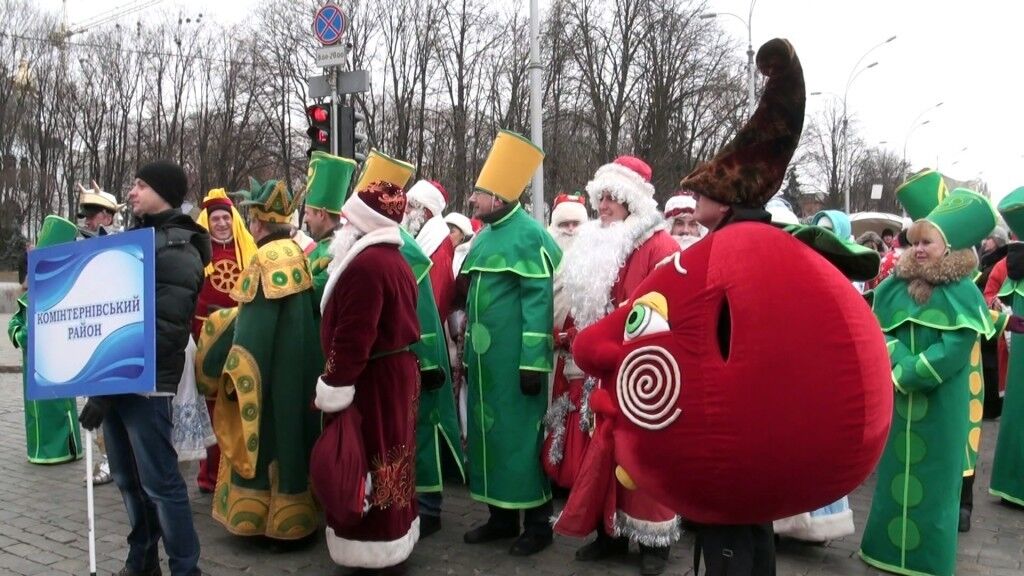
(923, 278)
(340, 261)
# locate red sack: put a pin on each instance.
(337, 469)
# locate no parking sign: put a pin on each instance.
(329, 24)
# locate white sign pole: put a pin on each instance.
(89, 502)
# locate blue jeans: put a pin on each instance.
(144, 465)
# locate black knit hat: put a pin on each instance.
(167, 179)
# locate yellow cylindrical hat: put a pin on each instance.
(380, 167)
(510, 166)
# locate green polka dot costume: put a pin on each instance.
(510, 315)
(912, 527)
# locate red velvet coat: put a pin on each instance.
(369, 321)
(442, 280)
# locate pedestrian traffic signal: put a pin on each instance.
(319, 118)
(353, 139)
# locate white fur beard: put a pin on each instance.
(562, 238)
(686, 241)
(591, 267)
(343, 241)
(414, 220)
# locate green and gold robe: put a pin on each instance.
(509, 329)
(261, 361)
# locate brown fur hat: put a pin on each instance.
(749, 170)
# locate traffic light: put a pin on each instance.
(319, 118)
(353, 139)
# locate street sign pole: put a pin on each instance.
(334, 110)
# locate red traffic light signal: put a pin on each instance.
(319, 118)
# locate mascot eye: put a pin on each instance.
(648, 316)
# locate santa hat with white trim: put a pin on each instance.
(682, 203)
(430, 194)
(568, 207)
(379, 205)
(628, 181)
(461, 222)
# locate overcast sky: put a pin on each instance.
(965, 55)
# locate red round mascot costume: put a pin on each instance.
(751, 380)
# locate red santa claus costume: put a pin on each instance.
(423, 219)
(563, 452)
(369, 322)
(604, 266)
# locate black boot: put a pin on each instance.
(429, 525)
(489, 532)
(602, 547)
(501, 523)
(653, 559)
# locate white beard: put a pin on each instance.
(343, 241)
(562, 238)
(591, 267)
(686, 241)
(414, 220)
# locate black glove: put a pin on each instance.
(431, 379)
(93, 412)
(531, 383)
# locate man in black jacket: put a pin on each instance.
(137, 427)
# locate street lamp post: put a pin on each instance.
(846, 159)
(914, 126)
(750, 51)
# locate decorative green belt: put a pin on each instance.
(388, 353)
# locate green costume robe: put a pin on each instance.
(912, 527)
(1008, 463)
(319, 259)
(437, 418)
(51, 426)
(270, 354)
(509, 325)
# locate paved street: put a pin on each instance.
(43, 528)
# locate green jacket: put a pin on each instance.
(509, 324)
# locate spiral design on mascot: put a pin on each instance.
(648, 387)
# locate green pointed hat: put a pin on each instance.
(964, 218)
(56, 230)
(270, 201)
(328, 180)
(1012, 209)
(921, 193)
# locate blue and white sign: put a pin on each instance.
(91, 317)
